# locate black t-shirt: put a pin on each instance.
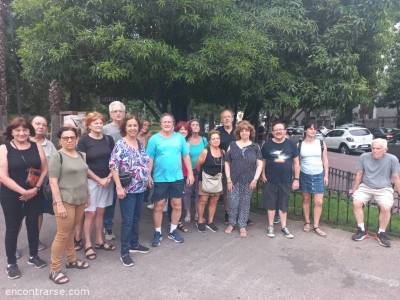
(226, 138)
(279, 160)
(98, 153)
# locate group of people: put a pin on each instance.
(178, 169)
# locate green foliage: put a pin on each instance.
(252, 55)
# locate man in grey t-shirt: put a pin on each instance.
(117, 115)
(375, 173)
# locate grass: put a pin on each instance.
(337, 212)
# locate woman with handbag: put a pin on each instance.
(129, 166)
(23, 167)
(69, 186)
(97, 147)
(243, 167)
(210, 165)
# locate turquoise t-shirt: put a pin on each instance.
(195, 150)
(167, 153)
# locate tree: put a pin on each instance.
(3, 83)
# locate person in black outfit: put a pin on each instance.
(227, 134)
(19, 199)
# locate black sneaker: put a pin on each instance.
(201, 227)
(212, 227)
(287, 233)
(359, 235)
(383, 239)
(139, 249)
(37, 262)
(127, 261)
(13, 271)
(277, 219)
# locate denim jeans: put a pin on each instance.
(109, 213)
(131, 209)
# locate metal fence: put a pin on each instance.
(338, 208)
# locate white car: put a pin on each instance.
(346, 140)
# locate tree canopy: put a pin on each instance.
(273, 56)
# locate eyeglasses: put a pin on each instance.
(66, 138)
(118, 111)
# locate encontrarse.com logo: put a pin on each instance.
(46, 292)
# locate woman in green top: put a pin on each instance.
(69, 186)
(196, 144)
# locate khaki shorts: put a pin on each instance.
(384, 197)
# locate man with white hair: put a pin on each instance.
(117, 115)
(376, 171)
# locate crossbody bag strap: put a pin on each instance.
(20, 153)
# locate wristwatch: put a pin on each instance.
(295, 179)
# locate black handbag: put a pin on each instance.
(125, 178)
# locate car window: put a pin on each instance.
(359, 132)
(332, 133)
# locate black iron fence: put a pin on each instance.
(338, 208)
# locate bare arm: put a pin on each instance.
(325, 161)
(357, 180)
(43, 165)
(201, 159)
(296, 171)
(4, 176)
(396, 181)
(263, 175)
(188, 165)
(257, 175)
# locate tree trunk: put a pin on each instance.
(3, 83)
(179, 108)
(55, 98)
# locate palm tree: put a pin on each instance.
(55, 97)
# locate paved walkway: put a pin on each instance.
(221, 266)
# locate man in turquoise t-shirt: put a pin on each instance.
(166, 150)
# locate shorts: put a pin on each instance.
(313, 184)
(202, 193)
(383, 197)
(99, 197)
(168, 190)
(276, 196)
(46, 205)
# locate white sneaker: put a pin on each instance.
(270, 231)
(150, 206)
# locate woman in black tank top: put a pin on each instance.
(210, 161)
(17, 198)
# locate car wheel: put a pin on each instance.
(344, 149)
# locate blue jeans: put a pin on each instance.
(109, 214)
(131, 209)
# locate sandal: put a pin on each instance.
(78, 245)
(307, 227)
(78, 264)
(243, 232)
(91, 255)
(229, 229)
(318, 231)
(182, 227)
(105, 246)
(58, 277)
